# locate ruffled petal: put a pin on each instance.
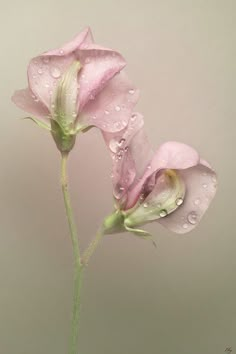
(45, 70)
(81, 40)
(112, 107)
(120, 146)
(165, 193)
(27, 101)
(99, 66)
(170, 155)
(200, 183)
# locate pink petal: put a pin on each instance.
(45, 70)
(111, 109)
(128, 148)
(170, 155)
(82, 39)
(200, 183)
(99, 65)
(119, 144)
(27, 101)
(162, 194)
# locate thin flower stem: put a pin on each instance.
(92, 247)
(73, 343)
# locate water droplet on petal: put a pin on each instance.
(61, 51)
(117, 125)
(185, 226)
(163, 213)
(117, 108)
(118, 191)
(214, 179)
(133, 117)
(55, 72)
(204, 185)
(126, 148)
(121, 142)
(142, 196)
(131, 92)
(179, 201)
(106, 112)
(145, 205)
(197, 201)
(40, 71)
(149, 167)
(74, 114)
(113, 145)
(46, 60)
(192, 218)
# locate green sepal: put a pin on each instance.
(40, 123)
(114, 223)
(64, 139)
(141, 233)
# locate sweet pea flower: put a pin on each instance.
(75, 87)
(172, 186)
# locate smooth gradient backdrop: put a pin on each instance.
(177, 299)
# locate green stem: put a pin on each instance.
(73, 343)
(92, 247)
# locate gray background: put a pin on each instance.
(177, 299)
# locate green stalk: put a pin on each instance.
(73, 342)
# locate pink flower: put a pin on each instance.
(173, 186)
(78, 86)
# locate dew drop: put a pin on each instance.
(192, 218)
(117, 108)
(61, 51)
(204, 185)
(55, 72)
(106, 112)
(179, 201)
(131, 92)
(145, 205)
(185, 226)
(121, 142)
(163, 213)
(126, 148)
(46, 60)
(197, 201)
(149, 167)
(113, 145)
(133, 117)
(118, 191)
(40, 71)
(142, 196)
(117, 125)
(74, 114)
